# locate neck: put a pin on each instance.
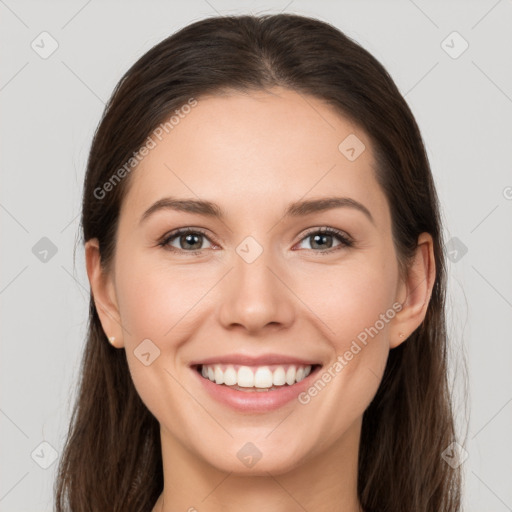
(325, 482)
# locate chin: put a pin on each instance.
(248, 459)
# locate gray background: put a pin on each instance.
(51, 106)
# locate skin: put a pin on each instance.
(253, 154)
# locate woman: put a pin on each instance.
(264, 249)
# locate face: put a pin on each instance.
(311, 287)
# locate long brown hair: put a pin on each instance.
(112, 457)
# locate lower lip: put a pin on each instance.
(255, 401)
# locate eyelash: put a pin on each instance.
(340, 235)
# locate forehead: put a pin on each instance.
(249, 151)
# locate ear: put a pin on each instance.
(414, 293)
(103, 290)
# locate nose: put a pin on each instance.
(257, 295)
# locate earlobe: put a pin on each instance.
(103, 292)
(415, 293)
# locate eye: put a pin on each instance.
(191, 240)
(323, 239)
(187, 239)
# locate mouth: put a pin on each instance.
(256, 379)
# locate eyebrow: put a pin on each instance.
(296, 209)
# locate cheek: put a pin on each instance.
(352, 297)
(154, 297)
(354, 303)
(156, 302)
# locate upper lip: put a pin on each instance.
(261, 360)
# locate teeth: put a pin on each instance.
(262, 377)
(245, 377)
(230, 377)
(290, 375)
(219, 376)
(279, 377)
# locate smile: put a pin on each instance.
(254, 378)
(255, 389)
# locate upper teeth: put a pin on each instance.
(255, 376)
